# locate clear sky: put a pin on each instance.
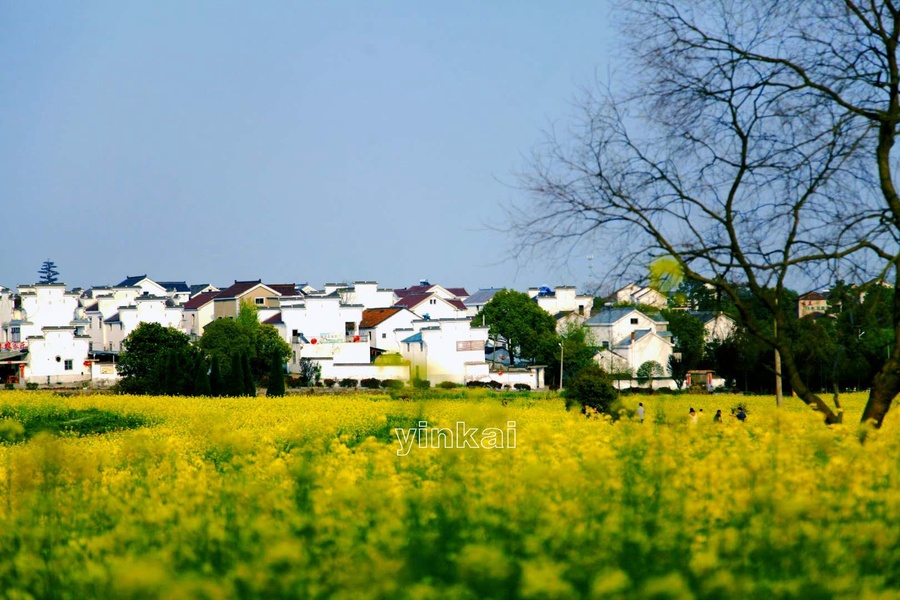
(288, 141)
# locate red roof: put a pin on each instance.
(200, 300)
(412, 300)
(458, 292)
(372, 317)
(284, 289)
(274, 319)
(239, 288)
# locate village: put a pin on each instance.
(53, 337)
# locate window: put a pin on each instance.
(14, 334)
(605, 343)
(260, 301)
(383, 335)
(634, 321)
(67, 365)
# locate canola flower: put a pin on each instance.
(306, 497)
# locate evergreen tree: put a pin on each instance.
(235, 385)
(170, 384)
(276, 376)
(48, 272)
(249, 384)
(216, 383)
(202, 385)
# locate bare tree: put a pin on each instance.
(753, 144)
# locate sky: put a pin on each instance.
(293, 142)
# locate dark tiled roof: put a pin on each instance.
(91, 307)
(132, 280)
(416, 337)
(284, 289)
(198, 287)
(372, 317)
(412, 300)
(813, 296)
(174, 286)
(274, 319)
(113, 319)
(610, 315)
(458, 292)
(200, 300)
(481, 296)
(238, 288)
(459, 304)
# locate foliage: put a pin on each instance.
(248, 377)
(142, 361)
(227, 338)
(310, 371)
(591, 389)
(25, 422)
(577, 353)
(447, 385)
(276, 376)
(522, 387)
(48, 272)
(421, 384)
(649, 371)
(370, 383)
(392, 384)
(329, 382)
(688, 333)
(527, 329)
(234, 380)
(266, 341)
(217, 384)
(348, 382)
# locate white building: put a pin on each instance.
(628, 338)
(564, 303)
(639, 294)
(446, 350)
(385, 327)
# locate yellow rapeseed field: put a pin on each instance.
(314, 497)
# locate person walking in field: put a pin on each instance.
(741, 415)
(640, 412)
(717, 418)
(693, 416)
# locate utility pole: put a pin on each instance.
(777, 359)
(562, 352)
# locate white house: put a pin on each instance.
(564, 303)
(716, 326)
(146, 309)
(381, 326)
(446, 350)
(364, 293)
(628, 338)
(478, 300)
(433, 306)
(639, 294)
(197, 313)
(58, 356)
(146, 285)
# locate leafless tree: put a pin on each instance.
(752, 143)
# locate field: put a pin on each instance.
(313, 497)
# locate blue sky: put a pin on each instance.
(289, 141)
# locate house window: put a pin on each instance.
(605, 343)
(67, 365)
(260, 301)
(634, 321)
(14, 334)
(383, 335)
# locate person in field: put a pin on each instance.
(717, 418)
(741, 415)
(640, 412)
(693, 416)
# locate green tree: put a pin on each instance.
(48, 272)
(276, 376)
(577, 353)
(267, 341)
(590, 388)
(202, 384)
(142, 361)
(247, 376)
(647, 372)
(235, 378)
(513, 317)
(688, 338)
(227, 338)
(217, 384)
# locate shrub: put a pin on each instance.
(329, 382)
(477, 384)
(447, 385)
(370, 383)
(392, 384)
(31, 386)
(591, 389)
(348, 382)
(9, 386)
(495, 385)
(523, 387)
(421, 384)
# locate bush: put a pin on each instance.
(31, 386)
(592, 389)
(421, 384)
(447, 385)
(495, 385)
(348, 382)
(476, 384)
(370, 383)
(329, 382)
(523, 387)
(392, 384)
(9, 386)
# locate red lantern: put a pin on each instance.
(312, 341)
(500, 372)
(355, 338)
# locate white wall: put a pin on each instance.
(61, 342)
(448, 350)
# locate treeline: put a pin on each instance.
(232, 358)
(844, 347)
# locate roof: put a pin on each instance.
(706, 316)
(416, 337)
(372, 317)
(610, 315)
(813, 296)
(284, 289)
(481, 296)
(238, 288)
(198, 287)
(113, 319)
(200, 299)
(412, 300)
(132, 280)
(175, 286)
(458, 292)
(274, 319)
